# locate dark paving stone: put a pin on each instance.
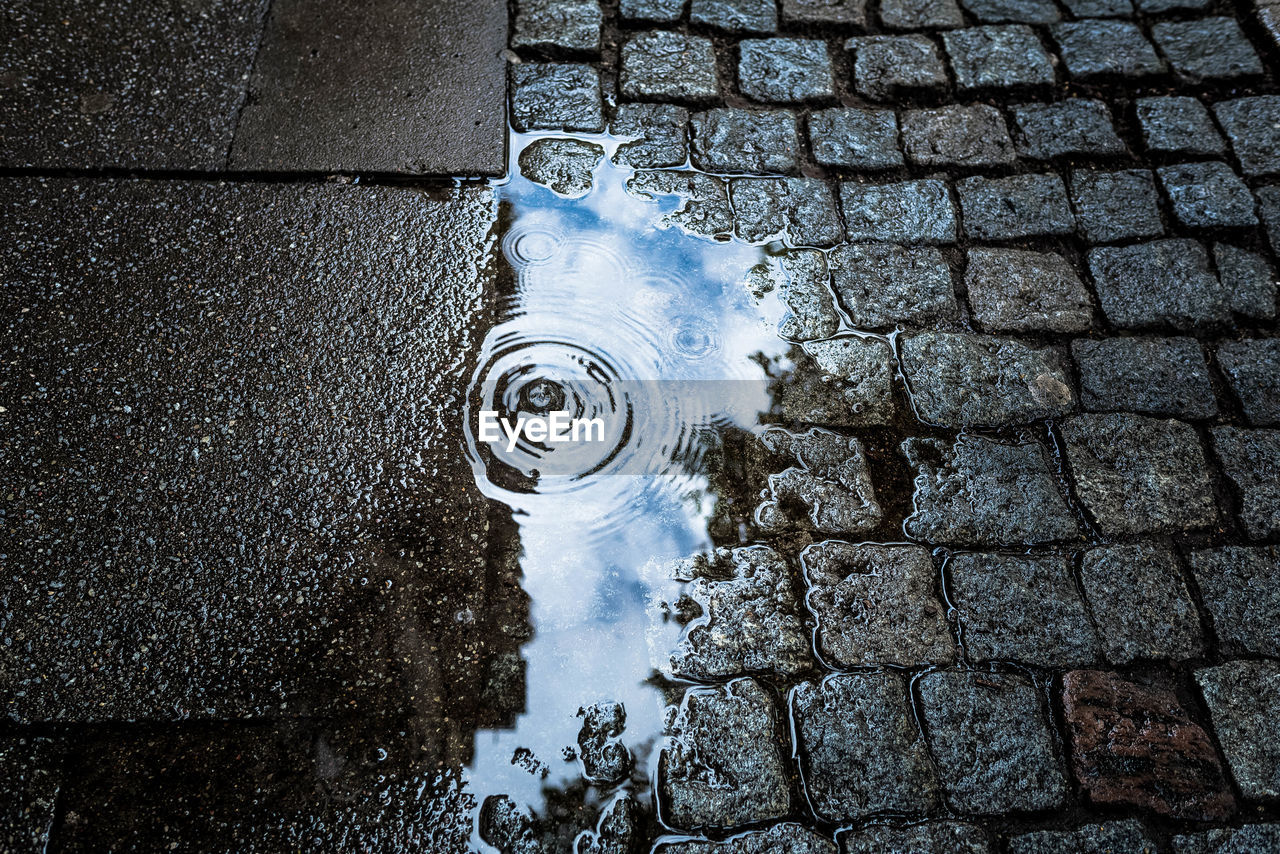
(556, 97)
(841, 12)
(965, 380)
(1114, 206)
(990, 739)
(1013, 11)
(562, 165)
(1206, 49)
(736, 16)
(1269, 210)
(605, 759)
(620, 830)
(843, 382)
(1155, 376)
(1161, 283)
(1140, 604)
(1208, 195)
(784, 838)
(956, 136)
(1139, 475)
(1099, 8)
(661, 65)
(660, 134)
(861, 750)
(1240, 586)
(906, 212)
(750, 617)
(704, 201)
(724, 765)
(940, 837)
(557, 25)
(876, 605)
(888, 67)
(1251, 459)
(1227, 840)
(785, 70)
(1020, 608)
(998, 57)
(658, 11)
(979, 491)
(1157, 7)
(352, 93)
(1242, 697)
(1112, 836)
(920, 14)
(803, 210)
(830, 485)
(1016, 290)
(508, 826)
(1137, 746)
(1073, 127)
(732, 139)
(1106, 49)
(1178, 124)
(132, 85)
(1248, 280)
(215, 565)
(882, 285)
(1250, 124)
(29, 793)
(852, 138)
(803, 282)
(1016, 206)
(1252, 368)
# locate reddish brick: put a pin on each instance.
(1136, 745)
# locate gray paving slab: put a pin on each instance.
(230, 420)
(378, 86)
(130, 84)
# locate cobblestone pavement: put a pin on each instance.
(1003, 573)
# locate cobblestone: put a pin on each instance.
(1269, 208)
(1138, 475)
(1242, 697)
(844, 382)
(1023, 609)
(802, 279)
(852, 138)
(1209, 48)
(1017, 206)
(785, 70)
(1252, 837)
(1178, 124)
(861, 749)
(962, 380)
(1099, 8)
(876, 605)
(1155, 376)
(556, 97)
(557, 24)
(657, 11)
(979, 491)
(1111, 836)
(1073, 127)
(1252, 369)
(990, 739)
(1013, 11)
(563, 165)
(998, 57)
(1208, 195)
(1240, 586)
(1161, 283)
(736, 16)
(883, 285)
(1251, 459)
(1136, 745)
(662, 65)
(704, 201)
(1250, 124)
(605, 759)
(660, 133)
(843, 12)
(737, 140)
(786, 838)
(906, 212)
(887, 67)
(832, 481)
(1092, 49)
(1016, 290)
(803, 210)
(1140, 604)
(724, 765)
(941, 837)
(956, 136)
(1249, 281)
(1113, 206)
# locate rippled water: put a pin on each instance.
(653, 331)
